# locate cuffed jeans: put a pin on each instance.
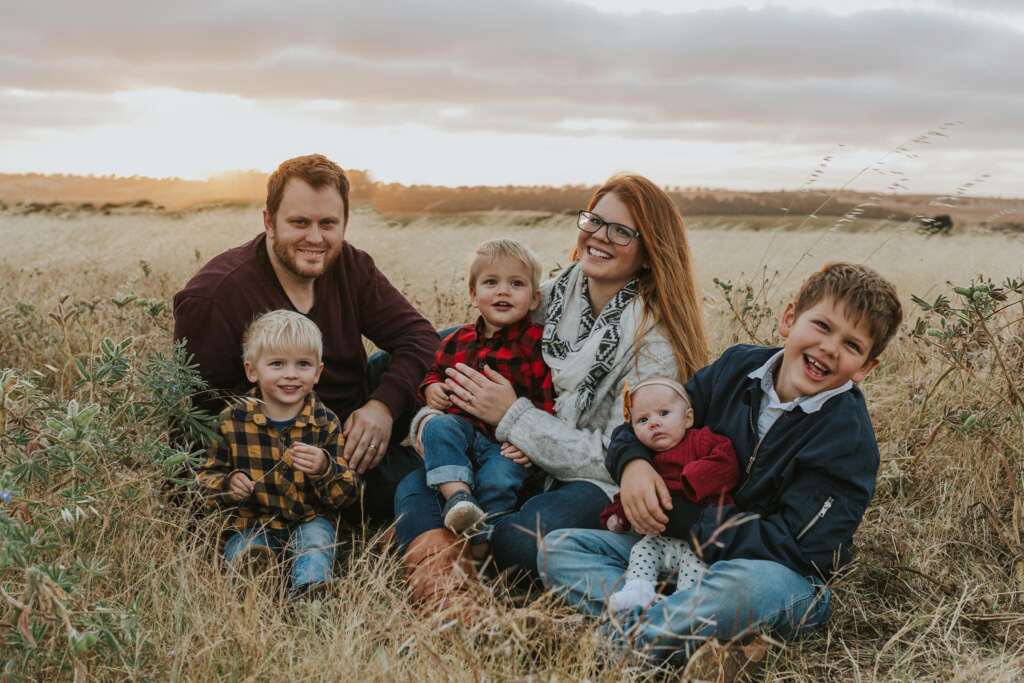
(733, 598)
(310, 546)
(514, 536)
(452, 445)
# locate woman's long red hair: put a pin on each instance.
(668, 286)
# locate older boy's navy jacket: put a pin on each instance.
(803, 489)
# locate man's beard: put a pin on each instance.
(289, 259)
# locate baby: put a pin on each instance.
(699, 468)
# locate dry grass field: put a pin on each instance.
(102, 579)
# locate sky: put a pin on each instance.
(916, 96)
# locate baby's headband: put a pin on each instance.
(629, 392)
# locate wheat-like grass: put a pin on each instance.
(933, 594)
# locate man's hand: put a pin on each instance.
(437, 397)
(367, 433)
(645, 497)
(308, 459)
(515, 455)
(240, 487)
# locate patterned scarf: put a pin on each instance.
(608, 320)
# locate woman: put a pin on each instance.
(626, 309)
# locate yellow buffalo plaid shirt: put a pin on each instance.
(282, 495)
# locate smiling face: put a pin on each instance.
(660, 417)
(306, 233)
(503, 292)
(824, 349)
(609, 264)
(285, 378)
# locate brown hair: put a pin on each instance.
(668, 287)
(315, 169)
(864, 293)
(504, 248)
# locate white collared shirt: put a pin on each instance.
(772, 407)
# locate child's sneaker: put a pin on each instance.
(462, 513)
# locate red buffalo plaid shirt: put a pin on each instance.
(514, 352)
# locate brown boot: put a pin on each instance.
(439, 570)
(715, 662)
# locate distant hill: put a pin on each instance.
(27, 193)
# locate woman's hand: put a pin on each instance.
(645, 497)
(486, 395)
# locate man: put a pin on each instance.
(302, 262)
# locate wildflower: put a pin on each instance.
(5, 496)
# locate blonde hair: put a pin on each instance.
(500, 248)
(629, 393)
(281, 330)
(668, 287)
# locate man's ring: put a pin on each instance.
(373, 445)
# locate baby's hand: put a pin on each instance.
(515, 455)
(617, 524)
(437, 396)
(240, 487)
(307, 459)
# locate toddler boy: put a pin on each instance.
(808, 455)
(475, 475)
(279, 465)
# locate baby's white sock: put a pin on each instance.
(634, 594)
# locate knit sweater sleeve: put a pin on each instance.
(567, 451)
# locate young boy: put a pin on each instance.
(279, 465)
(808, 459)
(474, 474)
(698, 467)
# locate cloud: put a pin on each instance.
(28, 113)
(552, 68)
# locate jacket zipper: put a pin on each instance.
(816, 518)
(753, 456)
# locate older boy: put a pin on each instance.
(279, 466)
(808, 457)
(476, 475)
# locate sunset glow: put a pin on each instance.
(745, 96)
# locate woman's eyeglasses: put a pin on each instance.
(618, 233)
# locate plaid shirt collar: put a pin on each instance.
(504, 335)
(251, 410)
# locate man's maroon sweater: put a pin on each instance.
(352, 300)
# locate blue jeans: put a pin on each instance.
(514, 536)
(733, 598)
(452, 445)
(310, 546)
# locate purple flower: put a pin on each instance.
(5, 496)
